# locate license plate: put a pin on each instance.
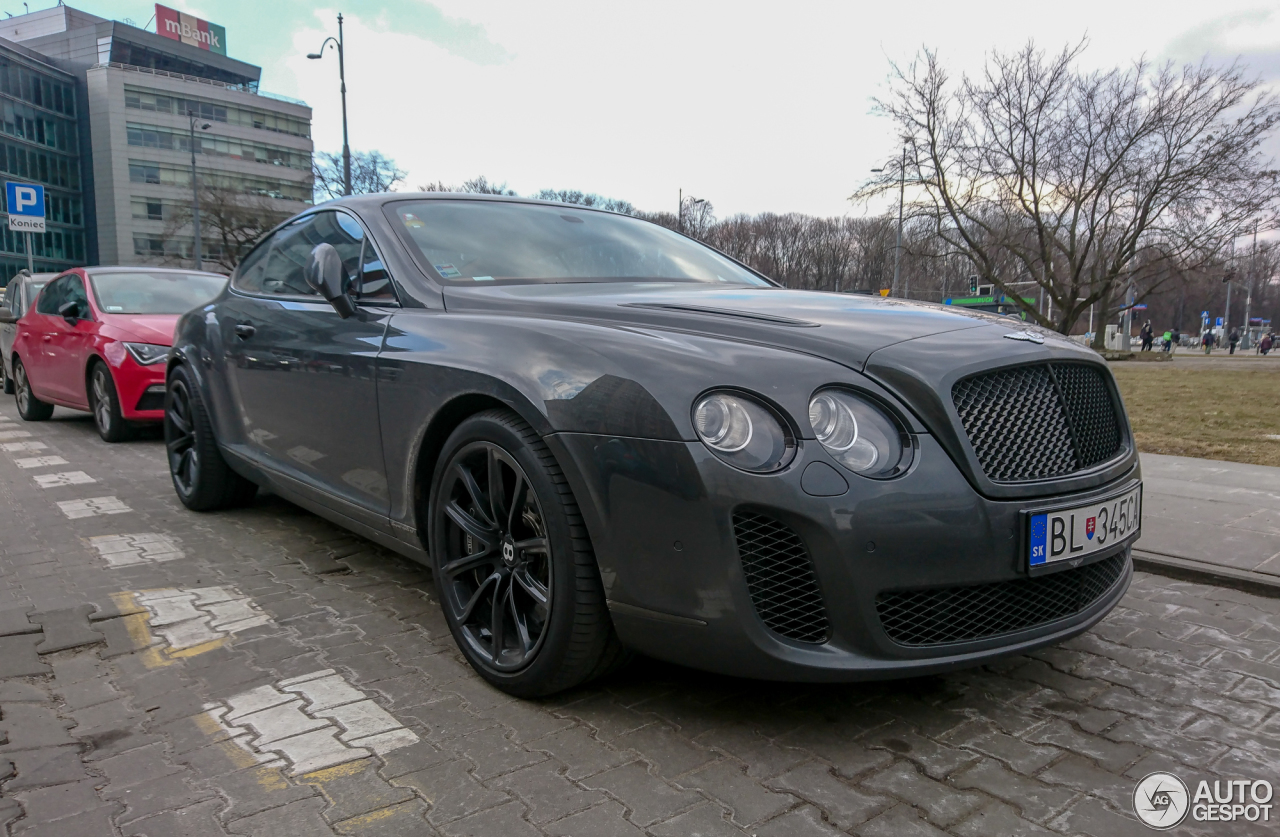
(1078, 532)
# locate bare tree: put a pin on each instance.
(231, 221)
(587, 199)
(370, 172)
(1078, 182)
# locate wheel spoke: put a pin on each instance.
(469, 608)
(479, 499)
(480, 530)
(497, 618)
(517, 502)
(532, 586)
(468, 562)
(179, 445)
(522, 627)
(497, 489)
(536, 545)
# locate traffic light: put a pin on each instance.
(973, 285)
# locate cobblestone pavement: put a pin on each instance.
(261, 672)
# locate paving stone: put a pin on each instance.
(845, 806)
(727, 783)
(403, 820)
(451, 791)
(18, 657)
(667, 750)
(998, 819)
(198, 820)
(899, 821)
(292, 820)
(704, 821)
(14, 620)
(355, 788)
(493, 754)
(1035, 799)
(942, 804)
(504, 820)
(607, 820)
(805, 821)
(46, 805)
(32, 726)
(85, 824)
(46, 766)
(546, 794)
(576, 748)
(647, 797)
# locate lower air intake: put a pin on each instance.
(962, 614)
(780, 578)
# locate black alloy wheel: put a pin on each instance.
(201, 477)
(513, 564)
(104, 403)
(29, 407)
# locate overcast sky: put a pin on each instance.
(752, 106)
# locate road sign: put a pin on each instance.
(1217, 323)
(26, 206)
(885, 291)
(1141, 306)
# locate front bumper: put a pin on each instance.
(139, 388)
(661, 516)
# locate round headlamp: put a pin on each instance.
(859, 434)
(742, 431)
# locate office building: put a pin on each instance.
(136, 93)
(40, 143)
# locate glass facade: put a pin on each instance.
(39, 144)
(164, 174)
(151, 136)
(152, 101)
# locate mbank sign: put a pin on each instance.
(25, 204)
(171, 23)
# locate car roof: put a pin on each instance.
(146, 269)
(376, 199)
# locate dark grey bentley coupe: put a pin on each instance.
(603, 436)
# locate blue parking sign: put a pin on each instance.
(25, 204)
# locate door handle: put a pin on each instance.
(244, 331)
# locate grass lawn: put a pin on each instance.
(1205, 409)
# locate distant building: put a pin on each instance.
(133, 93)
(40, 143)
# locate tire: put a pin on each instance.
(535, 563)
(29, 407)
(201, 477)
(104, 403)
(7, 379)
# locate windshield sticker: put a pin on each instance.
(412, 221)
(448, 271)
(115, 307)
(482, 278)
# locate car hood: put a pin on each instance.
(845, 328)
(143, 328)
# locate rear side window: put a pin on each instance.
(249, 274)
(11, 294)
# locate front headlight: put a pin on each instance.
(742, 432)
(859, 434)
(147, 353)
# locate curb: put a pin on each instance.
(1186, 569)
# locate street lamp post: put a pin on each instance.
(195, 190)
(692, 202)
(902, 196)
(342, 78)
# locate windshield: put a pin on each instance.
(168, 292)
(469, 242)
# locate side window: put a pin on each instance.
(75, 293)
(375, 284)
(52, 296)
(248, 276)
(11, 293)
(293, 245)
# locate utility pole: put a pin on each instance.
(195, 191)
(342, 78)
(902, 193)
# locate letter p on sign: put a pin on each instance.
(26, 206)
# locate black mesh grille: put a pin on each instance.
(1038, 422)
(962, 614)
(151, 401)
(780, 577)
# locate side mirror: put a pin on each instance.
(326, 273)
(7, 316)
(69, 311)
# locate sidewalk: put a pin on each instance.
(1212, 521)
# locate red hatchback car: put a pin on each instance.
(97, 338)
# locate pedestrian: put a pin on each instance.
(1233, 339)
(1148, 336)
(1166, 341)
(1206, 340)
(1174, 337)
(1264, 345)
